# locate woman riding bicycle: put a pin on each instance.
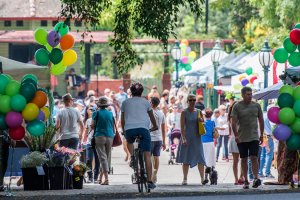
(136, 112)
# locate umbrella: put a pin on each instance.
(269, 92)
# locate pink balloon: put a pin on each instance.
(273, 115)
(184, 60)
(14, 119)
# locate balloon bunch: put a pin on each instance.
(287, 116)
(289, 52)
(58, 44)
(21, 102)
(246, 79)
(187, 56)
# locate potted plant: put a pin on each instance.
(60, 173)
(34, 171)
(78, 173)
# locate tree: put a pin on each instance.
(154, 18)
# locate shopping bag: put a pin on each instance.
(201, 128)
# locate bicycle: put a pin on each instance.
(139, 175)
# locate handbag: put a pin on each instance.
(117, 139)
(201, 128)
(216, 134)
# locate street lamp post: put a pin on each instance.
(266, 60)
(215, 58)
(176, 54)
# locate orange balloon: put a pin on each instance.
(40, 99)
(67, 42)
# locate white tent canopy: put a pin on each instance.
(18, 69)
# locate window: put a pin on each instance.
(7, 23)
(54, 22)
(19, 23)
(77, 23)
(44, 23)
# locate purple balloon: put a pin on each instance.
(188, 50)
(53, 38)
(41, 116)
(282, 132)
(14, 119)
(273, 114)
(245, 82)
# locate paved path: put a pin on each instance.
(169, 183)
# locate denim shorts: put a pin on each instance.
(145, 143)
(155, 148)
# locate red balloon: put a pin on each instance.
(295, 36)
(252, 79)
(17, 133)
(298, 83)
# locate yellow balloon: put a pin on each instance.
(192, 54)
(242, 77)
(70, 57)
(30, 112)
(46, 111)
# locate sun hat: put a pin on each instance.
(102, 102)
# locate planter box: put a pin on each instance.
(33, 181)
(59, 178)
(77, 182)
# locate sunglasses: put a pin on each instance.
(190, 100)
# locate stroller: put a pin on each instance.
(175, 136)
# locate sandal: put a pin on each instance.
(105, 182)
(184, 182)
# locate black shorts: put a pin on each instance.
(247, 149)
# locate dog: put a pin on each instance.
(213, 176)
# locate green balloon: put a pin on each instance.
(4, 104)
(296, 108)
(286, 89)
(12, 88)
(295, 126)
(36, 128)
(285, 100)
(188, 67)
(31, 76)
(62, 28)
(249, 71)
(8, 76)
(297, 26)
(287, 116)
(288, 45)
(40, 36)
(281, 55)
(56, 56)
(17, 103)
(58, 69)
(293, 143)
(294, 59)
(296, 93)
(3, 125)
(29, 80)
(4, 80)
(41, 56)
(28, 91)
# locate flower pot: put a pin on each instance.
(59, 178)
(77, 182)
(33, 181)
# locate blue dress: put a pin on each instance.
(192, 153)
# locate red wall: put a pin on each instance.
(103, 84)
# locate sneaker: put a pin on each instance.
(256, 183)
(151, 185)
(261, 176)
(246, 185)
(90, 180)
(154, 177)
(270, 176)
(2, 188)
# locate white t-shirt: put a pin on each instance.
(135, 111)
(223, 123)
(69, 118)
(160, 119)
(174, 118)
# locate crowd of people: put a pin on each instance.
(169, 120)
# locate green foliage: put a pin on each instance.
(154, 18)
